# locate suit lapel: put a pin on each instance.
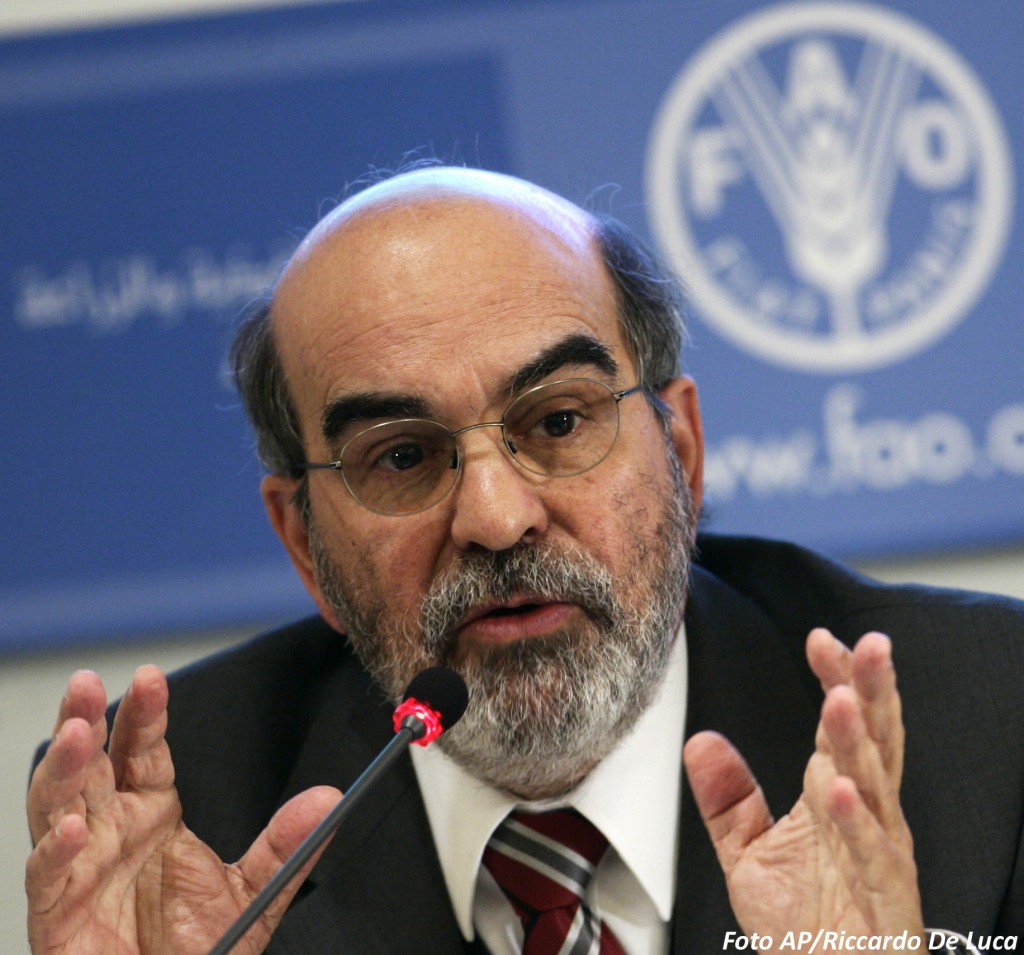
(750, 682)
(378, 889)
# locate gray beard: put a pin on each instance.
(542, 712)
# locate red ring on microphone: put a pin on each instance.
(430, 719)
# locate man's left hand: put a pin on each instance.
(842, 859)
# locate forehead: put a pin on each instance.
(421, 287)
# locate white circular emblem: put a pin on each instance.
(833, 184)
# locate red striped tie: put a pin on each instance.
(543, 863)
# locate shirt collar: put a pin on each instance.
(632, 796)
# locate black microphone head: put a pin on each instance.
(442, 690)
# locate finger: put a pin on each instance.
(729, 800)
(57, 780)
(857, 756)
(139, 753)
(830, 659)
(49, 865)
(291, 824)
(874, 678)
(73, 774)
(85, 698)
(884, 876)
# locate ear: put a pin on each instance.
(278, 494)
(687, 432)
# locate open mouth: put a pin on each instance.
(517, 620)
(519, 606)
(519, 611)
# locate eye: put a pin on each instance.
(400, 450)
(400, 457)
(555, 418)
(558, 424)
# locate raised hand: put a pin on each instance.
(842, 859)
(115, 871)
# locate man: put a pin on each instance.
(482, 454)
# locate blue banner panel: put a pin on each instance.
(835, 182)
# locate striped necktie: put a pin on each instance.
(543, 863)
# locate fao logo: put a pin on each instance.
(832, 182)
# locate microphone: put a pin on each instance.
(433, 702)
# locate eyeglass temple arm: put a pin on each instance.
(619, 395)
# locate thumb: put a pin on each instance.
(727, 794)
(285, 832)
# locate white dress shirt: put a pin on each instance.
(632, 796)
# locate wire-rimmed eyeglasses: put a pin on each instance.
(558, 429)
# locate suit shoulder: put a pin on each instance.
(798, 589)
(275, 679)
(284, 654)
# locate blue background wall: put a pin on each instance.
(153, 178)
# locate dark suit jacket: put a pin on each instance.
(253, 726)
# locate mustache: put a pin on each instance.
(541, 570)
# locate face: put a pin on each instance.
(556, 598)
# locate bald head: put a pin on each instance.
(447, 271)
(384, 270)
(451, 185)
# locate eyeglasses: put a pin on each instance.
(558, 429)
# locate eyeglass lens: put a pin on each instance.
(559, 429)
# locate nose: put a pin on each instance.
(497, 504)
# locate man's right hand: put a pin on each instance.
(115, 871)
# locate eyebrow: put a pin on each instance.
(343, 412)
(576, 349)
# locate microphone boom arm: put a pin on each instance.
(398, 744)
